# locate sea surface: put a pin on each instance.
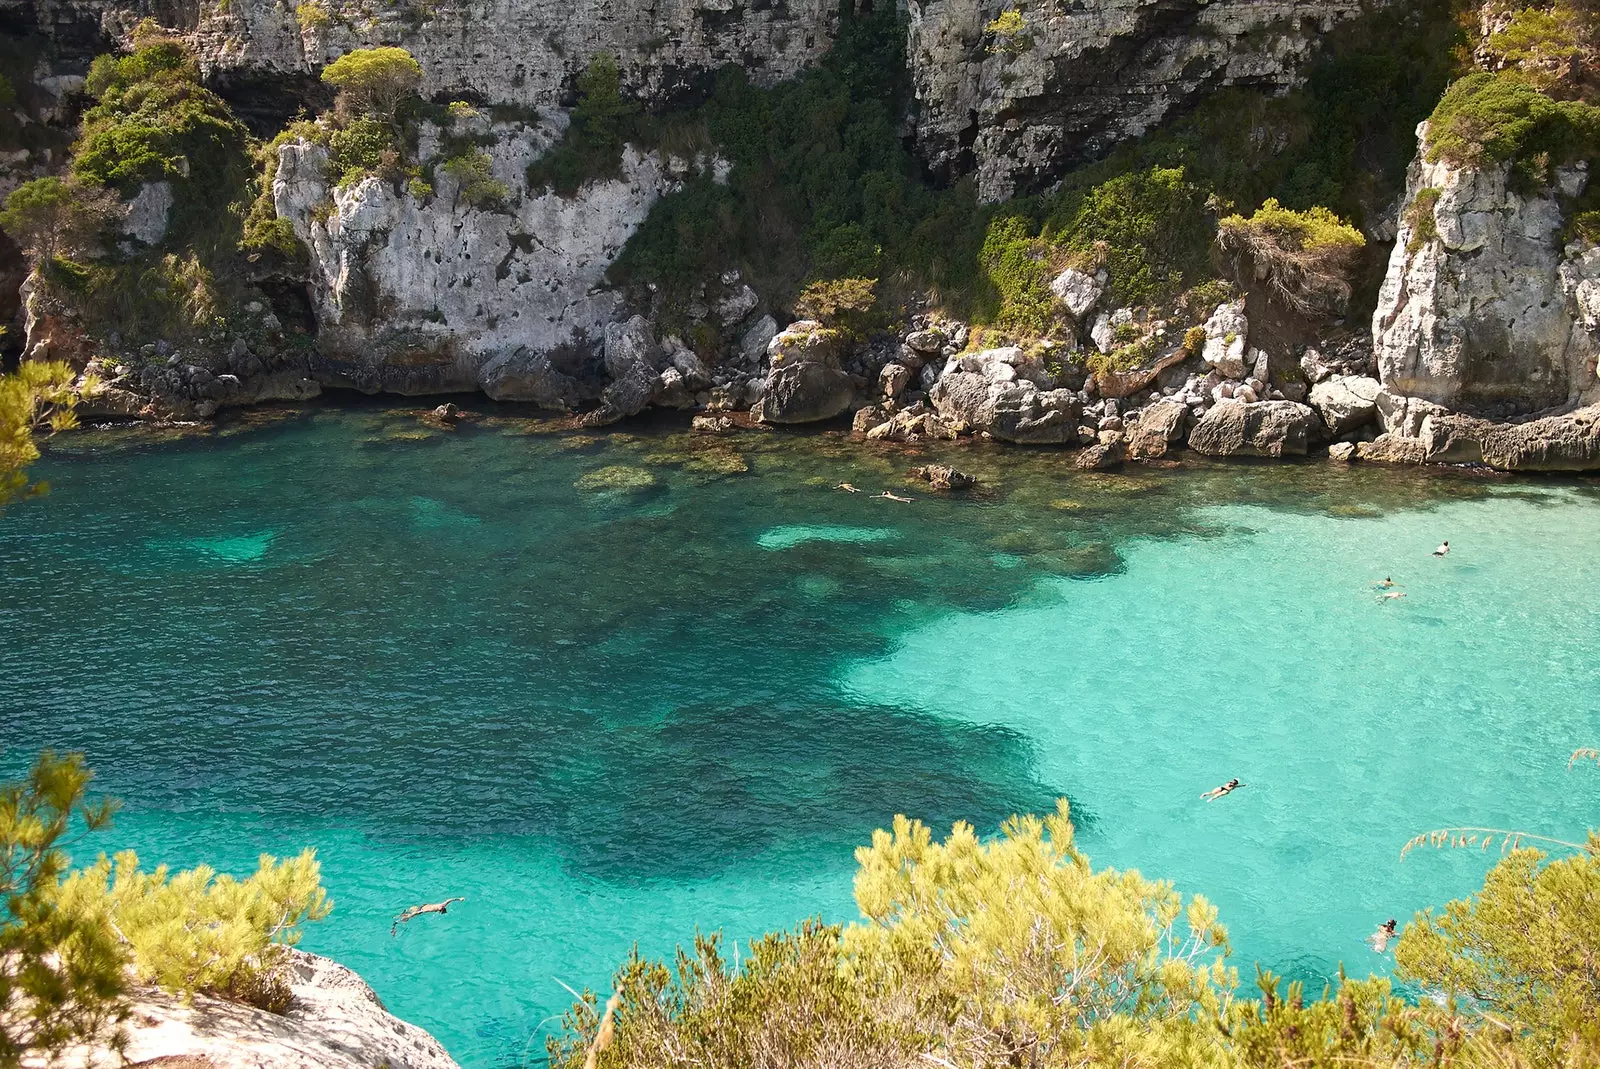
(616, 688)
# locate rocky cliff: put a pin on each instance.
(433, 293)
(1018, 100)
(497, 51)
(1486, 307)
(335, 1022)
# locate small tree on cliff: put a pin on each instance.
(61, 974)
(374, 81)
(51, 217)
(1306, 257)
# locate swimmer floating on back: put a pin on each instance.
(847, 488)
(895, 497)
(1391, 595)
(1217, 792)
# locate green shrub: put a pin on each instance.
(1152, 227)
(592, 146)
(374, 82)
(199, 930)
(361, 148)
(843, 303)
(1009, 32)
(1420, 219)
(1194, 340)
(50, 216)
(475, 179)
(1306, 256)
(152, 121)
(1017, 265)
(1494, 118)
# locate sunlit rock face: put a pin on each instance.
(1017, 105)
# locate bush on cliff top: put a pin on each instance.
(152, 120)
(1489, 118)
(1307, 257)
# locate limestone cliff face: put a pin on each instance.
(434, 294)
(1489, 312)
(502, 51)
(1080, 76)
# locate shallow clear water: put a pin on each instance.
(612, 689)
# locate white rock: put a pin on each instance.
(1078, 292)
(335, 1022)
(1346, 402)
(1103, 334)
(1227, 332)
(147, 212)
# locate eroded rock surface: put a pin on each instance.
(1483, 308)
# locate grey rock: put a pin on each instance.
(804, 392)
(1227, 333)
(1159, 426)
(528, 376)
(927, 342)
(753, 345)
(1346, 402)
(1262, 429)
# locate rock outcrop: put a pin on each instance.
(1019, 103)
(335, 1022)
(806, 384)
(1258, 429)
(435, 294)
(1483, 309)
(1004, 394)
(1346, 402)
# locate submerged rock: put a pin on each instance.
(943, 477)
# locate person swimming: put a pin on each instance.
(1444, 548)
(1380, 939)
(1386, 584)
(1391, 595)
(1217, 792)
(895, 497)
(847, 488)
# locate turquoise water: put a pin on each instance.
(612, 689)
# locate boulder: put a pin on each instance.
(673, 391)
(1393, 449)
(756, 339)
(868, 417)
(1012, 410)
(1404, 415)
(804, 392)
(893, 380)
(1159, 426)
(943, 477)
(1078, 292)
(525, 375)
(447, 413)
(806, 341)
(1103, 334)
(736, 305)
(714, 425)
(1260, 429)
(1346, 402)
(1227, 331)
(1100, 457)
(1119, 384)
(927, 342)
(1344, 452)
(628, 345)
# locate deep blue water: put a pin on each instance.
(615, 688)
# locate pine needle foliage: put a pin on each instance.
(199, 930)
(37, 395)
(61, 974)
